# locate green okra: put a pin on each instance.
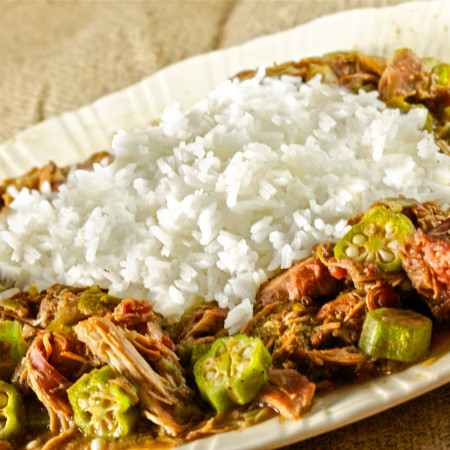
(11, 411)
(94, 300)
(233, 371)
(12, 347)
(398, 334)
(376, 238)
(104, 403)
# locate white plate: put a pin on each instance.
(72, 137)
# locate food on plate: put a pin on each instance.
(12, 411)
(104, 403)
(14, 347)
(233, 371)
(376, 238)
(287, 236)
(426, 261)
(403, 82)
(394, 333)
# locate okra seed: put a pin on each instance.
(386, 256)
(352, 251)
(33, 444)
(221, 350)
(370, 229)
(83, 403)
(393, 245)
(359, 239)
(98, 444)
(208, 363)
(236, 348)
(389, 226)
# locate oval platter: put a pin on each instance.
(72, 137)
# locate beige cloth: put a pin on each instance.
(57, 56)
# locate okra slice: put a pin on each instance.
(376, 238)
(94, 300)
(11, 411)
(398, 334)
(104, 403)
(233, 371)
(12, 347)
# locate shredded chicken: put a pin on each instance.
(59, 304)
(405, 76)
(346, 356)
(306, 278)
(288, 392)
(350, 69)
(202, 321)
(341, 319)
(236, 419)
(48, 383)
(63, 439)
(426, 260)
(109, 343)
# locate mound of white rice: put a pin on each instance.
(211, 202)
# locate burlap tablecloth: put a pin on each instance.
(58, 56)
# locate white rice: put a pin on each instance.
(211, 202)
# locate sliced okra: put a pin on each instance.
(376, 239)
(104, 403)
(233, 371)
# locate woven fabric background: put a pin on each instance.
(56, 56)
